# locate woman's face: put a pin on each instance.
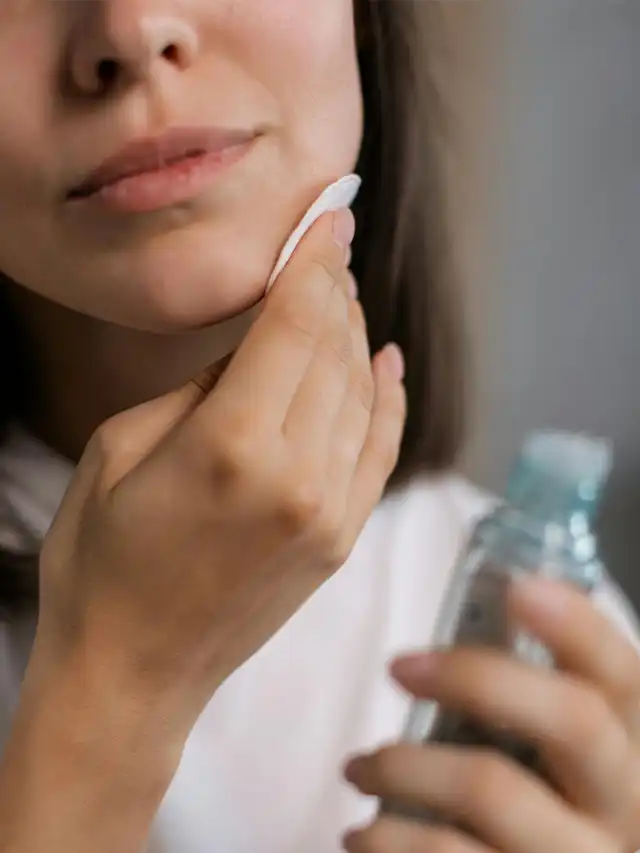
(272, 87)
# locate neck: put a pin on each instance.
(88, 370)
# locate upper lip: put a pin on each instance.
(148, 154)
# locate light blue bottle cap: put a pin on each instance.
(559, 475)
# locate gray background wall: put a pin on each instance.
(564, 347)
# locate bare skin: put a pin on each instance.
(295, 442)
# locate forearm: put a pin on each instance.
(81, 773)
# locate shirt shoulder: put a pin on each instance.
(436, 513)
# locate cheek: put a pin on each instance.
(305, 54)
(28, 141)
(28, 65)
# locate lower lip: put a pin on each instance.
(174, 184)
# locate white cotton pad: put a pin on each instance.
(338, 195)
(342, 193)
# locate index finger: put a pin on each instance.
(273, 358)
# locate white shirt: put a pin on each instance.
(261, 772)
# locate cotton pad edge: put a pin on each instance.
(340, 194)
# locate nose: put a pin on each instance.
(115, 43)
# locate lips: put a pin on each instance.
(154, 154)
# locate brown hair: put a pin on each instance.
(401, 255)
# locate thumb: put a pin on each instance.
(202, 384)
(128, 438)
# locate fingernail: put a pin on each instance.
(420, 666)
(344, 227)
(394, 361)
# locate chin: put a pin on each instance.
(209, 271)
(197, 298)
(180, 282)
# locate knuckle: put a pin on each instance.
(300, 505)
(337, 346)
(347, 447)
(329, 540)
(292, 320)
(364, 388)
(108, 440)
(338, 555)
(338, 352)
(236, 456)
(326, 267)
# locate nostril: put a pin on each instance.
(107, 72)
(171, 53)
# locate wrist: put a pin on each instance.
(84, 760)
(100, 718)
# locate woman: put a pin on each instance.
(222, 586)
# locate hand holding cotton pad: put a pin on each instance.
(338, 195)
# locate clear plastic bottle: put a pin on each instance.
(544, 526)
